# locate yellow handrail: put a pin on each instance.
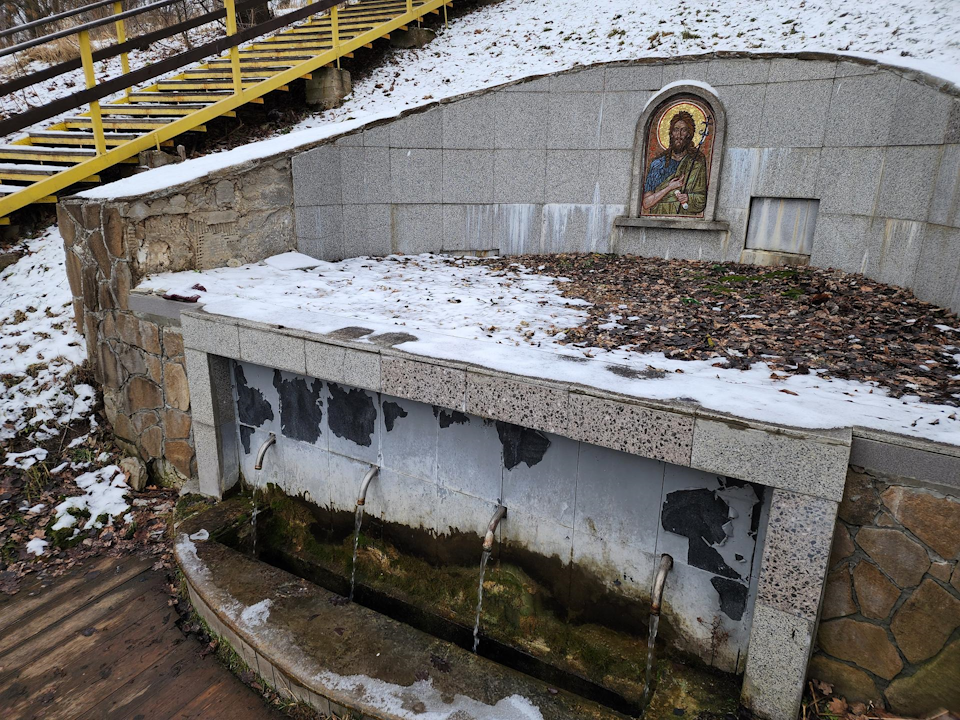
(108, 158)
(122, 38)
(235, 50)
(86, 57)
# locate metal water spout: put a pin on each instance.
(365, 483)
(499, 515)
(666, 564)
(262, 451)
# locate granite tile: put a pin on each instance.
(813, 463)
(631, 428)
(424, 382)
(780, 646)
(338, 364)
(211, 335)
(795, 553)
(541, 407)
(272, 349)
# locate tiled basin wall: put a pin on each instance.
(610, 513)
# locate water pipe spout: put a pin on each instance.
(365, 483)
(499, 515)
(666, 564)
(262, 451)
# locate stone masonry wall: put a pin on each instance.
(890, 623)
(228, 218)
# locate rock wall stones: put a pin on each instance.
(890, 621)
(228, 218)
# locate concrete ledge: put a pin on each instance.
(670, 224)
(809, 462)
(896, 456)
(434, 384)
(297, 647)
(272, 349)
(540, 406)
(157, 307)
(211, 334)
(631, 428)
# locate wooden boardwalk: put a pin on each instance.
(102, 643)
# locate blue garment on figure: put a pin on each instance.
(661, 169)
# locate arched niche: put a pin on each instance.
(677, 154)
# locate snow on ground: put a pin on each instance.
(39, 345)
(515, 39)
(37, 546)
(104, 498)
(460, 310)
(518, 38)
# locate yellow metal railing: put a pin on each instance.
(106, 158)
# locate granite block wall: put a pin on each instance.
(596, 512)
(544, 166)
(890, 628)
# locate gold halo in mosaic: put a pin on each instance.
(663, 129)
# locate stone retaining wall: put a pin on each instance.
(237, 216)
(890, 623)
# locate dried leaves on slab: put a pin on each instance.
(795, 319)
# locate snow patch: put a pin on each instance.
(39, 345)
(25, 460)
(460, 310)
(104, 495)
(398, 700)
(257, 614)
(200, 535)
(37, 546)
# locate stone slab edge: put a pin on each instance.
(811, 462)
(203, 593)
(887, 454)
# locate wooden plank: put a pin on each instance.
(111, 667)
(45, 631)
(186, 680)
(161, 672)
(35, 594)
(76, 585)
(230, 693)
(57, 673)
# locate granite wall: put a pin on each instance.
(597, 519)
(544, 165)
(890, 622)
(236, 216)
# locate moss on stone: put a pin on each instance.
(516, 609)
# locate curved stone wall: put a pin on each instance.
(544, 165)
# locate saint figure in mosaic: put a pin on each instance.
(678, 155)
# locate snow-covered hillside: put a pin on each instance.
(518, 38)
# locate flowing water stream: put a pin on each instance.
(476, 626)
(356, 543)
(651, 657)
(256, 511)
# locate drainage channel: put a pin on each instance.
(443, 629)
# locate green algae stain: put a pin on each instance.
(517, 610)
